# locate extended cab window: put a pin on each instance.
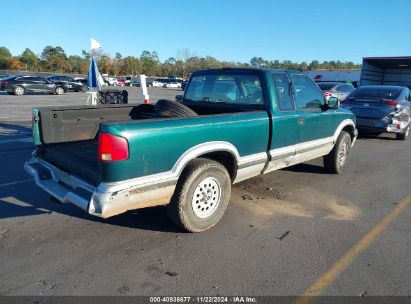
(284, 97)
(233, 89)
(307, 95)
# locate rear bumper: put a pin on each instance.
(105, 200)
(383, 125)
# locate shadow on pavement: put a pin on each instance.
(25, 199)
(307, 168)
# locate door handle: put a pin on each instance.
(301, 121)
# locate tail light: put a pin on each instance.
(4, 82)
(112, 148)
(328, 94)
(390, 102)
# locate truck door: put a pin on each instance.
(315, 127)
(284, 124)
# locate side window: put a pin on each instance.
(284, 97)
(345, 88)
(307, 95)
(37, 79)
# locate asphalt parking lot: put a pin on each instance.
(291, 232)
(18, 108)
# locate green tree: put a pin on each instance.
(55, 59)
(85, 54)
(314, 65)
(258, 62)
(131, 66)
(149, 62)
(5, 58)
(77, 64)
(29, 59)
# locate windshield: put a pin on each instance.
(326, 86)
(376, 92)
(227, 88)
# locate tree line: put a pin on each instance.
(55, 60)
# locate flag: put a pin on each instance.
(94, 44)
(94, 79)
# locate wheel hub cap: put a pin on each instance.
(342, 155)
(206, 197)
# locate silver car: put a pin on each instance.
(336, 89)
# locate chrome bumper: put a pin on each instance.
(105, 200)
(355, 137)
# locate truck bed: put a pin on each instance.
(78, 158)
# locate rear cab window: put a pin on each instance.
(226, 88)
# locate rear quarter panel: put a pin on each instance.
(156, 145)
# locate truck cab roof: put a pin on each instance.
(244, 70)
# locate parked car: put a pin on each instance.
(128, 81)
(112, 81)
(122, 82)
(136, 83)
(337, 89)
(231, 125)
(157, 83)
(20, 85)
(71, 83)
(381, 109)
(81, 80)
(173, 85)
(3, 76)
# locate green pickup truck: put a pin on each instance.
(231, 125)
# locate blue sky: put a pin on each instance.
(233, 30)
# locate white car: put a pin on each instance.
(157, 84)
(112, 81)
(173, 85)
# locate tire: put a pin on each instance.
(192, 214)
(337, 158)
(19, 90)
(169, 108)
(59, 91)
(403, 136)
(83, 89)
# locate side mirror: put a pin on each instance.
(179, 98)
(333, 103)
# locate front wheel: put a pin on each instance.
(201, 196)
(337, 158)
(403, 136)
(19, 91)
(59, 91)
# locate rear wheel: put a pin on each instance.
(59, 91)
(201, 196)
(403, 136)
(19, 91)
(337, 158)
